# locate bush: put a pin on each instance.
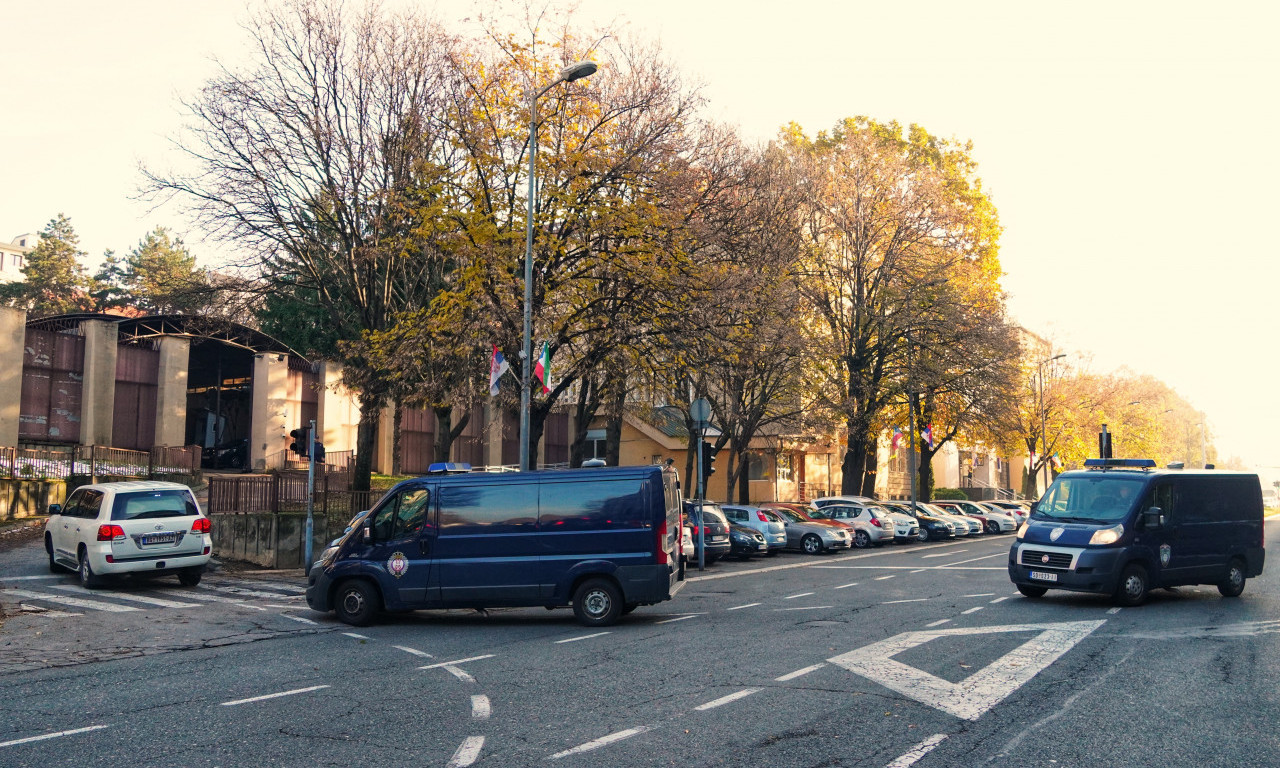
(945, 494)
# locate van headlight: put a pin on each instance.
(1107, 535)
(1022, 531)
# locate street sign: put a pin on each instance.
(700, 410)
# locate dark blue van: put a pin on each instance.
(1121, 527)
(603, 540)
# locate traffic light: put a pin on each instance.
(301, 441)
(708, 459)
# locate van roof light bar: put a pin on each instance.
(447, 468)
(1119, 463)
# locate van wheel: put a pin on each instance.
(1030, 591)
(1233, 585)
(1132, 590)
(355, 602)
(597, 603)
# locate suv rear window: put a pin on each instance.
(141, 505)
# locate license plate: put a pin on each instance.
(160, 538)
(714, 539)
(1042, 576)
(762, 547)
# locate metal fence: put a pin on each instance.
(181, 463)
(286, 493)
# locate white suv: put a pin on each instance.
(145, 528)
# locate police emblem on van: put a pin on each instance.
(1056, 533)
(397, 564)
(1166, 552)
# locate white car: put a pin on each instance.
(145, 528)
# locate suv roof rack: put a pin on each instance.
(1119, 464)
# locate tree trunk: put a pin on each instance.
(871, 468)
(444, 440)
(366, 440)
(397, 418)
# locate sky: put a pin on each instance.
(1128, 147)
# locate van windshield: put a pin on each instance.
(1097, 498)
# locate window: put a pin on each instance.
(489, 508)
(755, 465)
(595, 445)
(596, 505)
(403, 516)
(141, 505)
(786, 466)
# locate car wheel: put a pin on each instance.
(993, 526)
(1233, 585)
(597, 603)
(811, 544)
(189, 577)
(923, 534)
(53, 564)
(1132, 589)
(355, 602)
(1031, 591)
(88, 579)
(861, 539)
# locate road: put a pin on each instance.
(915, 655)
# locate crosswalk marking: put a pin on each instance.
(74, 602)
(127, 596)
(245, 592)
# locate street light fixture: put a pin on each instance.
(567, 75)
(1044, 436)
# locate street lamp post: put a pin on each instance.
(1044, 435)
(567, 75)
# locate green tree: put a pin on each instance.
(54, 280)
(159, 276)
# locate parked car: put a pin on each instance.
(765, 521)
(233, 454)
(138, 528)
(823, 501)
(992, 521)
(965, 525)
(872, 526)
(745, 543)
(1018, 511)
(931, 527)
(715, 537)
(808, 534)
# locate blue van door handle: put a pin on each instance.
(424, 546)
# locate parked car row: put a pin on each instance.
(835, 523)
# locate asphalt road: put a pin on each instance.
(919, 655)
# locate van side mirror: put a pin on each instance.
(55, 509)
(367, 533)
(1153, 518)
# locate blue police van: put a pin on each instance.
(603, 540)
(1122, 527)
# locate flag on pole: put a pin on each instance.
(542, 369)
(927, 434)
(497, 367)
(897, 438)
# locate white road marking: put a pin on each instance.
(800, 673)
(744, 693)
(1114, 611)
(245, 592)
(938, 623)
(679, 618)
(882, 578)
(918, 570)
(975, 559)
(298, 619)
(273, 695)
(804, 608)
(602, 742)
(460, 673)
(981, 691)
(49, 613)
(972, 610)
(984, 594)
(227, 600)
(458, 661)
(918, 751)
(74, 602)
(414, 651)
(480, 708)
(45, 736)
(33, 578)
(824, 563)
(583, 637)
(944, 567)
(911, 600)
(356, 636)
(944, 554)
(793, 597)
(999, 600)
(467, 753)
(740, 607)
(846, 586)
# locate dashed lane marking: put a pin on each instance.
(467, 753)
(458, 661)
(1114, 611)
(918, 751)
(846, 586)
(793, 597)
(407, 649)
(356, 636)
(744, 693)
(972, 610)
(800, 673)
(480, 708)
(805, 608)
(46, 736)
(944, 554)
(740, 607)
(908, 600)
(298, 619)
(882, 578)
(679, 618)
(602, 742)
(825, 564)
(294, 692)
(999, 600)
(938, 623)
(460, 673)
(581, 637)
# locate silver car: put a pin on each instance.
(809, 534)
(766, 521)
(872, 525)
(965, 525)
(993, 522)
(1019, 512)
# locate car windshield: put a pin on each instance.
(142, 505)
(791, 515)
(1091, 498)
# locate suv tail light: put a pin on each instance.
(203, 525)
(110, 533)
(661, 538)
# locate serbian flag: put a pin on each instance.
(497, 367)
(927, 434)
(542, 369)
(897, 438)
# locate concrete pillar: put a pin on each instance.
(386, 440)
(13, 337)
(98, 396)
(171, 391)
(337, 409)
(270, 431)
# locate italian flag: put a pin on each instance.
(542, 369)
